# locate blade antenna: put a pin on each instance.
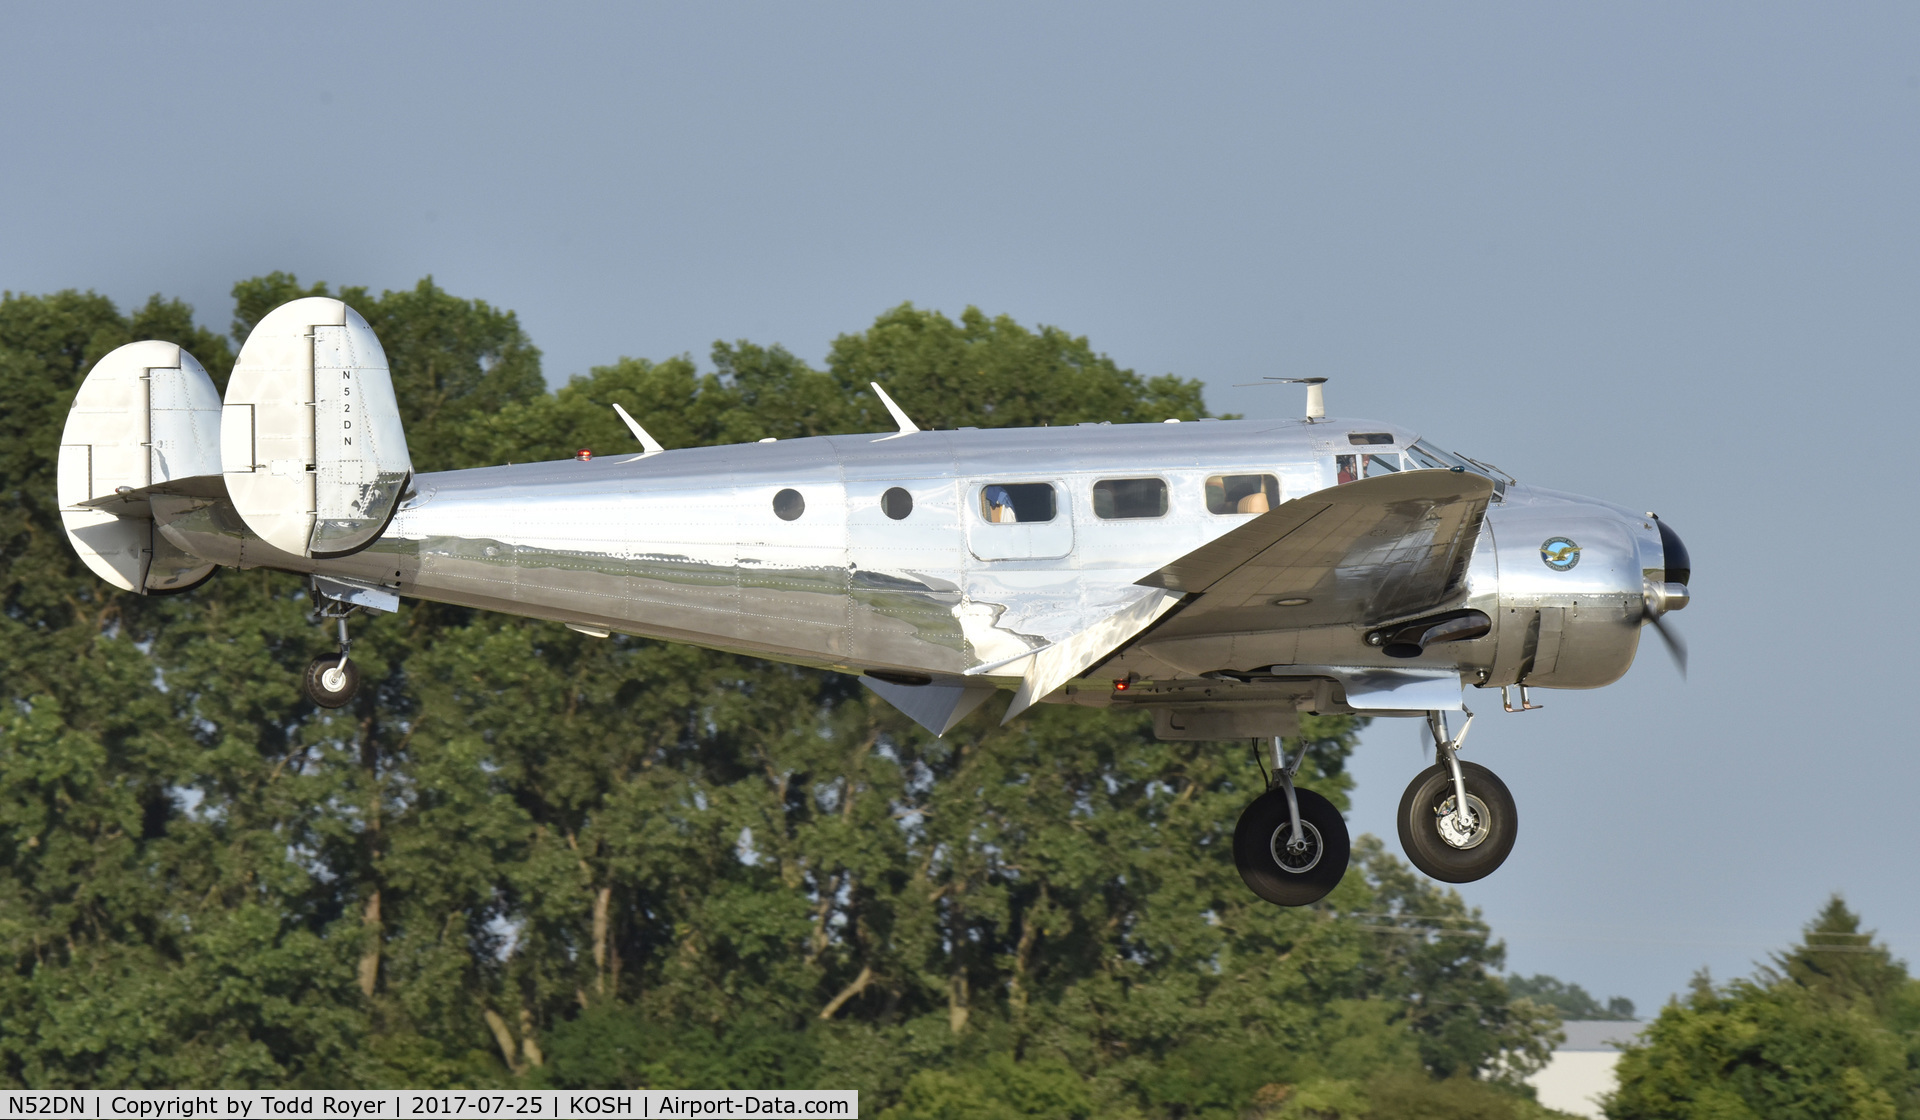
(907, 427)
(647, 441)
(1316, 392)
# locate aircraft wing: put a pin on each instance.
(1360, 554)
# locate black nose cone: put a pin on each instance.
(1678, 564)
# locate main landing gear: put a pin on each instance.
(1457, 823)
(1457, 820)
(1291, 844)
(331, 679)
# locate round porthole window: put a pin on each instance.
(788, 505)
(897, 503)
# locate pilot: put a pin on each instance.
(999, 505)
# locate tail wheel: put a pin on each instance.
(1431, 832)
(1280, 871)
(330, 684)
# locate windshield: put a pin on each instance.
(1431, 457)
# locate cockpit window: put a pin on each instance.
(1242, 493)
(1352, 468)
(1364, 439)
(1009, 502)
(1117, 498)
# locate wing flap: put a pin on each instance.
(1044, 670)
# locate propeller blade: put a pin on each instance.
(1675, 645)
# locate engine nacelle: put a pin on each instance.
(1572, 588)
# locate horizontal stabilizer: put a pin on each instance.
(936, 706)
(311, 441)
(147, 415)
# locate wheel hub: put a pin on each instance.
(1447, 823)
(1297, 860)
(333, 680)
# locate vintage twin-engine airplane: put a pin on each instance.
(1223, 576)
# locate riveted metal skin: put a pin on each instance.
(686, 545)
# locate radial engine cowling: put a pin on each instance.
(1573, 586)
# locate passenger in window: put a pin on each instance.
(1022, 502)
(1000, 505)
(1344, 464)
(1242, 493)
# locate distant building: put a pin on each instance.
(1581, 1069)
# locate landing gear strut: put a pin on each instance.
(331, 679)
(1291, 844)
(1457, 820)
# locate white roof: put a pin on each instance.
(1599, 1034)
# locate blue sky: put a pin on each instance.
(1660, 254)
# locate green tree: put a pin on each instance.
(1831, 1030)
(993, 372)
(126, 962)
(1571, 1000)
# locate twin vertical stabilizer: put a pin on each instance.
(307, 446)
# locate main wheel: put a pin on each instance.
(1267, 859)
(1433, 838)
(328, 683)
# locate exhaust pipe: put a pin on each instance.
(1411, 639)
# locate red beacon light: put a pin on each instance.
(1122, 685)
(583, 454)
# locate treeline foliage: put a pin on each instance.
(1571, 1001)
(1829, 1031)
(524, 856)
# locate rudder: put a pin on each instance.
(312, 448)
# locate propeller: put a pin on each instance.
(1676, 646)
(1672, 594)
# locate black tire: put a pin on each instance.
(315, 684)
(1297, 879)
(1430, 796)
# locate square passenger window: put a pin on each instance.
(1242, 493)
(1009, 502)
(1117, 498)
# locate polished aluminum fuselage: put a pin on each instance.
(686, 545)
